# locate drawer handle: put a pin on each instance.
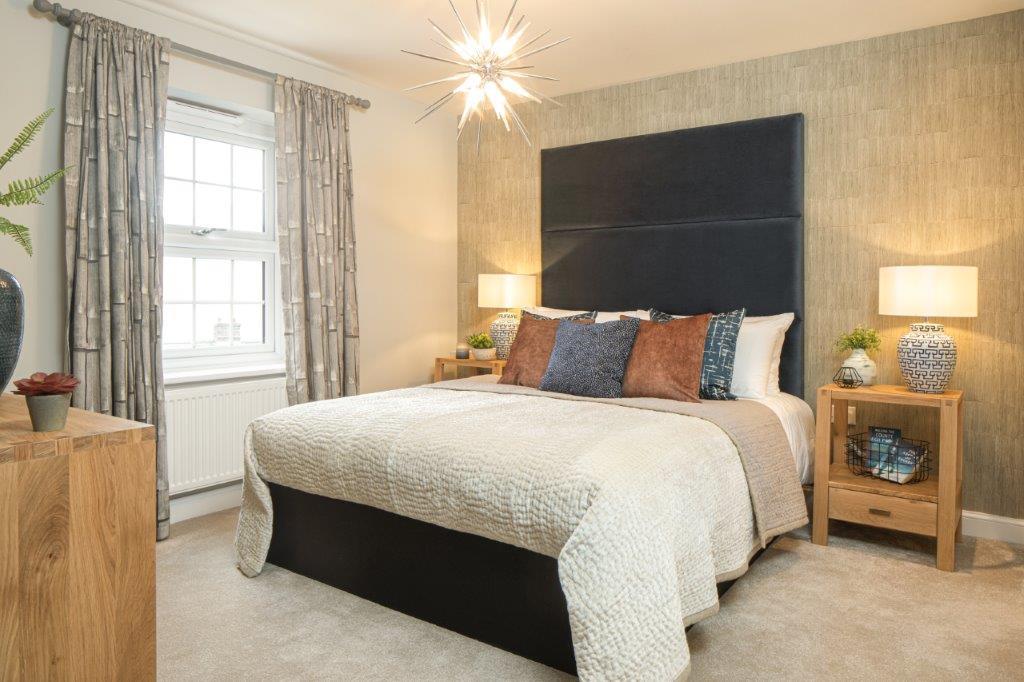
(879, 512)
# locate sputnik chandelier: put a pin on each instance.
(490, 72)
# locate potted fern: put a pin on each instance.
(483, 346)
(859, 341)
(12, 300)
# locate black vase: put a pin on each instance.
(12, 325)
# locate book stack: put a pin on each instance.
(892, 457)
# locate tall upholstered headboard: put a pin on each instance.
(688, 221)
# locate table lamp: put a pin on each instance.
(505, 291)
(927, 355)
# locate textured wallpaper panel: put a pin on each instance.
(915, 154)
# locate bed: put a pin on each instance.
(585, 534)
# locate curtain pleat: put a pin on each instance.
(115, 110)
(316, 240)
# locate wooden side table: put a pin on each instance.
(932, 507)
(77, 548)
(495, 366)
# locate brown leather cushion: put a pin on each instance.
(666, 360)
(528, 358)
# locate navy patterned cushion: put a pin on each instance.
(719, 352)
(592, 315)
(590, 360)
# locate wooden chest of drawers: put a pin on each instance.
(77, 548)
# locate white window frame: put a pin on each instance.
(184, 240)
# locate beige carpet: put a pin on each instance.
(870, 606)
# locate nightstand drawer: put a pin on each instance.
(883, 511)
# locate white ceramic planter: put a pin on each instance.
(485, 353)
(865, 366)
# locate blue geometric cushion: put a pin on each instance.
(590, 360)
(719, 353)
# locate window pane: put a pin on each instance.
(248, 167)
(177, 202)
(177, 279)
(249, 280)
(213, 206)
(177, 332)
(178, 156)
(248, 210)
(249, 322)
(213, 161)
(213, 325)
(213, 280)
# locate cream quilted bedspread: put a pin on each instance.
(645, 509)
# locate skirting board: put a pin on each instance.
(211, 500)
(207, 501)
(991, 527)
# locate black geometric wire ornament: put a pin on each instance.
(847, 377)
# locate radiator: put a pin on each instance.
(206, 427)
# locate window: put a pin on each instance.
(212, 185)
(219, 251)
(215, 303)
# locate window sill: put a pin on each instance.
(208, 374)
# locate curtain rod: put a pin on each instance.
(67, 17)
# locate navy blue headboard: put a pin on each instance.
(688, 221)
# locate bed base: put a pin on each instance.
(496, 593)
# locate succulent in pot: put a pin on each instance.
(48, 397)
(482, 345)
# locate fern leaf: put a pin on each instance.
(25, 137)
(18, 232)
(28, 191)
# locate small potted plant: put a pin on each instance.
(483, 346)
(48, 397)
(859, 342)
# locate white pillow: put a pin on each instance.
(614, 317)
(755, 371)
(556, 313)
(553, 313)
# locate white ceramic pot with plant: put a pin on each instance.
(860, 341)
(48, 397)
(483, 346)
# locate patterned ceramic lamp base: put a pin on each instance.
(503, 333)
(927, 357)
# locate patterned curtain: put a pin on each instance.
(316, 241)
(116, 101)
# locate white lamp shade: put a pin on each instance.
(928, 291)
(506, 291)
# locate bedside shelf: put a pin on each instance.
(933, 507)
(440, 364)
(840, 476)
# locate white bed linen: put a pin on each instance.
(617, 509)
(797, 421)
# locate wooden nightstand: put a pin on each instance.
(495, 366)
(932, 507)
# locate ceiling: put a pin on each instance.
(613, 41)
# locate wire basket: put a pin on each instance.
(908, 461)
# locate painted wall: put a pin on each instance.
(915, 154)
(404, 177)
